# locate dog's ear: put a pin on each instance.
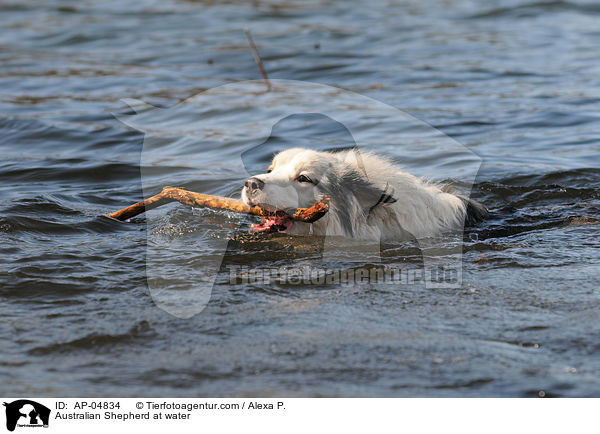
(350, 182)
(368, 195)
(341, 183)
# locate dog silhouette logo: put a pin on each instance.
(251, 124)
(26, 413)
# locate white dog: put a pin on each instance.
(370, 198)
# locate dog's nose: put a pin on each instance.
(254, 184)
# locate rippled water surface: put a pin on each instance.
(514, 84)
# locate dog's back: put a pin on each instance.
(414, 206)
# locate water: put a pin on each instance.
(516, 82)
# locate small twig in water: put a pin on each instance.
(257, 59)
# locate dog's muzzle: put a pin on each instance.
(252, 187)
(270, 223)
(253, 184)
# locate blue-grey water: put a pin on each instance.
(515, 82)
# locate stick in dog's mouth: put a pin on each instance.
(282, 220)
(273, 224)
(273, 221)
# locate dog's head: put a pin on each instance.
(298, 178)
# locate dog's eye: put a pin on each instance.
(303, 178)
(269, 170)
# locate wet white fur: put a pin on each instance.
(355, 182)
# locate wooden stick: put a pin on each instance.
(257, 59)
(171, 194)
